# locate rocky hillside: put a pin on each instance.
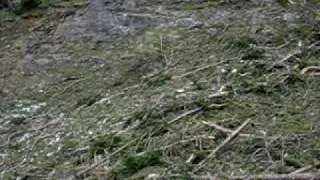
(160, 89)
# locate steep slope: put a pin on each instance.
(152, 88)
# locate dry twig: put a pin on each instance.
(306, 168)
(207, 177)
(228, 131)
(307, 176)
(273, 48)
(226, 141)
(93, 166)
(311, 71)
(193, 111)
(197, 70)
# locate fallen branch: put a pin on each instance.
(285, 59)
(311, 71)
(306, 168)
(306, 176)
(185, 141)
(229, 131)
(180, 176)
(217, 106)
(197, 70)
(273, 48)
(193, 111)
(141, 15)
(313, 45)
(226, 141)
(122, 92)
(93, 166)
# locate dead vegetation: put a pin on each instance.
(196, 105)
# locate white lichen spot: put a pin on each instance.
(234, 71)
(50, 154)
(59, 148)
(57, 138)
(223, 70)
(180, 90)
(24, 137)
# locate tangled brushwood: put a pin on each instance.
(161, 89)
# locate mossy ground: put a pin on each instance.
(131, 97)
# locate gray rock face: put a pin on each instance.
(39, 53)
(103, 21)
(108, 21)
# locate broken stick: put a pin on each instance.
(226, 141)
(304, 176)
